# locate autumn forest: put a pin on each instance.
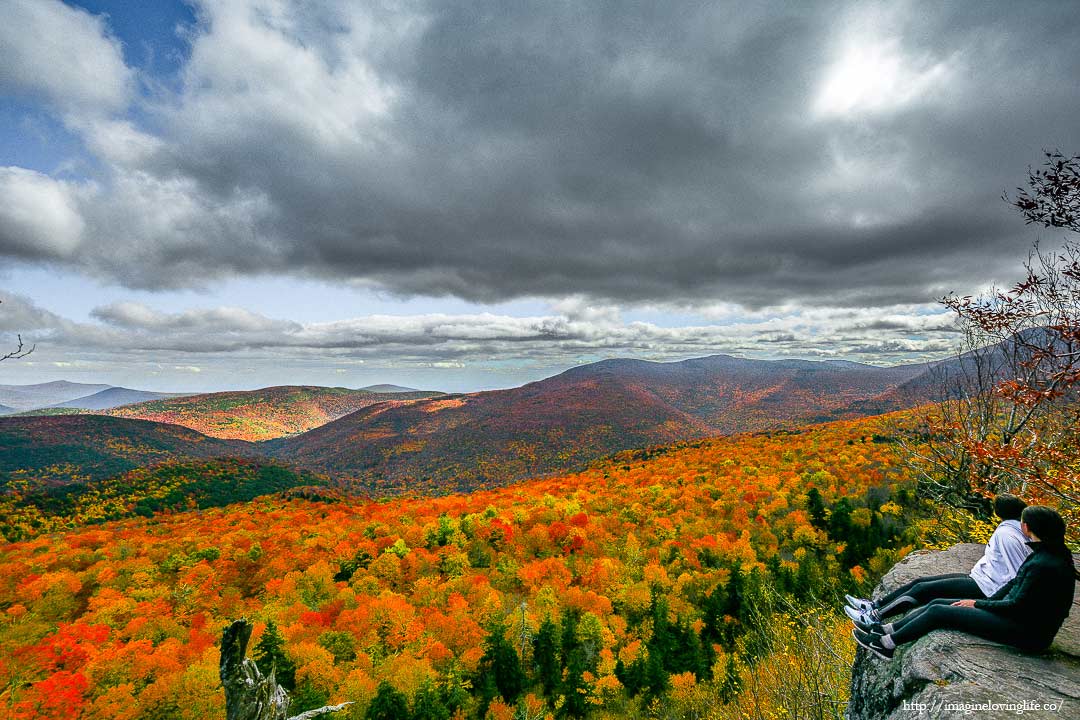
(671, 577)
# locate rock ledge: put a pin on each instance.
(951, 674)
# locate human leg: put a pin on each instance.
(955, 586)
(975, 621)
(906, 588)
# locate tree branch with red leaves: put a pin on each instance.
(1008, 413)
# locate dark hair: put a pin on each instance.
(1009, 507)
(1046, 525)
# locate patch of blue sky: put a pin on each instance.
(34, 139)
(153, 33)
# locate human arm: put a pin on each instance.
(1018, 592)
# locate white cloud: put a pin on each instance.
(301, 70)
(127, 330)
(119, 142)
(64, 55)
(39, 216)
(874, 73)
(135, 316)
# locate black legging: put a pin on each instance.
(939, 614)
(921, 591)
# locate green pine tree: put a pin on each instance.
(500, 669)
(632, 677)
(308, 697)
(269, 654)
(732, 683)
(428, 704)
(546, 657)
(815, 506)
(655, 678)
(388, 704)
(574, 659)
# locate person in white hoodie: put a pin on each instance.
(1004, 554)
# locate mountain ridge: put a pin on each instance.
(563, 422)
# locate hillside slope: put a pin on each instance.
(736, 394)
(488, 438)
(47, 451)
(564, 422)
(260, 414)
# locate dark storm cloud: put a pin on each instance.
(843, 154)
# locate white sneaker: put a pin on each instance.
(859, 604)
(866, 618)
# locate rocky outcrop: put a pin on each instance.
(250, 695)
(949, 674)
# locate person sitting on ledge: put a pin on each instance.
(1025, 613)
(1004, 554)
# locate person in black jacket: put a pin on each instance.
(1025, 613)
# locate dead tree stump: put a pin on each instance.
(248, 694)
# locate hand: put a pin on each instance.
(964, 603)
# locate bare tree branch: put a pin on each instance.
(18, 352)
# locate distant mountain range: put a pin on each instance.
(386, 441)
(31, 397)
(64, 396)
(216, 414)
(114, 397)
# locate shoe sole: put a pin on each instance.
(871, 648)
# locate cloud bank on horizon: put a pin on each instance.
(810, 165)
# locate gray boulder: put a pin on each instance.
(950, 674)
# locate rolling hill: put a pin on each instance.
(736, 394)
(261, 414)
(564, 422)
(49, 451)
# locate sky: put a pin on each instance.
(200, 195)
